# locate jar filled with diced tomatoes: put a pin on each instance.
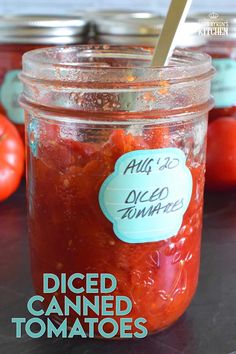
(19, 34)
(116, 162)
(220, 32)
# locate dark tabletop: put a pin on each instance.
(208, 326)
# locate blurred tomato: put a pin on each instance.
(221, 154)
(11, 158)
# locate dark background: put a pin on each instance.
(208, 326)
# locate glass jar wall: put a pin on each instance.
(19, 34)
(220, 32)
(116, 161)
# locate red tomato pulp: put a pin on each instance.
(221, 153)
(69, 232)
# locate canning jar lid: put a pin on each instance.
(42, 29)
(117, 13)
(136, 25)
(129, 24)
(217, 26)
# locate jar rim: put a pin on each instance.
(115, 80)
(71, 63)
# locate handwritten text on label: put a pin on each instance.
(147, 195)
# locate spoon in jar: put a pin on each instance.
(176, 16)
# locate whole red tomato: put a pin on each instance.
(221, 154)
(11, 158)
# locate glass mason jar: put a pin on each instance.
(116, 161)
(220, 32)
(19, 34)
